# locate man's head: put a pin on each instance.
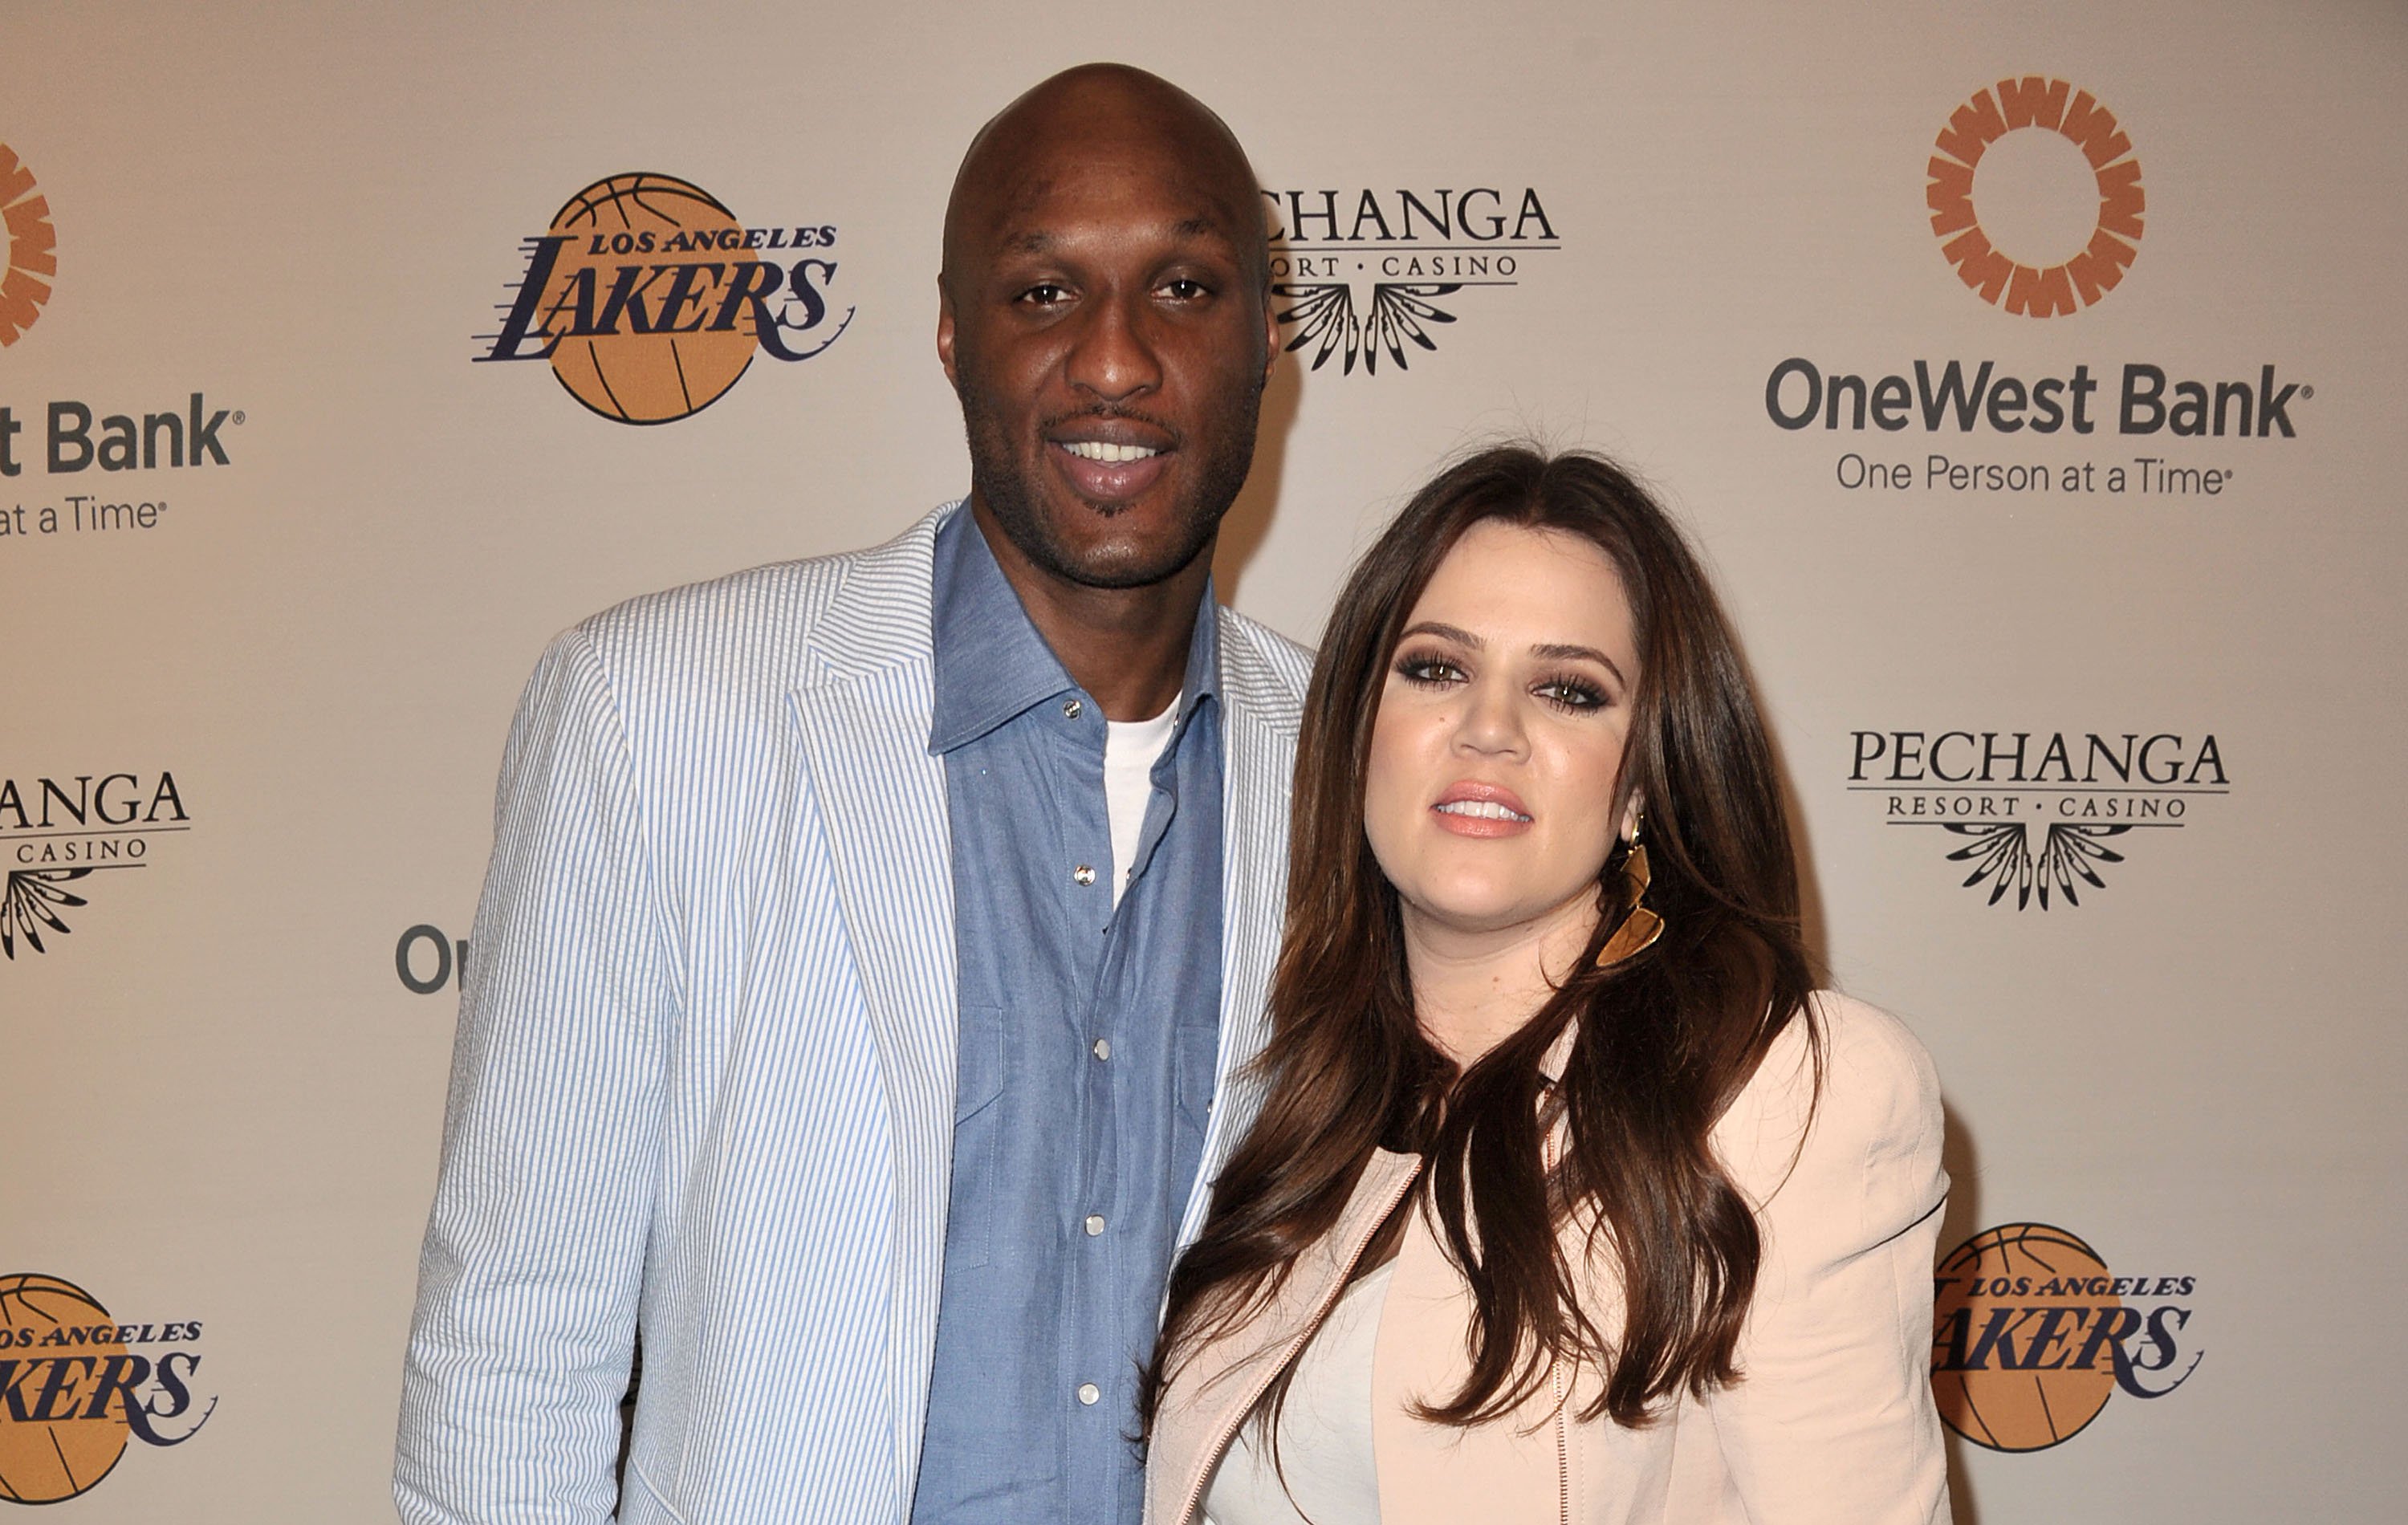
(1105, 320)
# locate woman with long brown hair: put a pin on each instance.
(1571, 1198)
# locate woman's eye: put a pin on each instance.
(1571, 694)
(1428, 671)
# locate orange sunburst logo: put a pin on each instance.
(32, 249)
(2039, 105)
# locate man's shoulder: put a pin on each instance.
(772, 624)
(1263, 671)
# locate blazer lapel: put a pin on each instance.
(1259, 723)
(863, 724)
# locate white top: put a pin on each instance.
(1131, 748)
(1324, 1431)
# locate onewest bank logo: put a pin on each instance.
(650, 299)
(32, 248)
(2035, 104)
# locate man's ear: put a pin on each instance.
(1270, 335)
(945, 332)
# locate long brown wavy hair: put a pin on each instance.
(1662, 1043)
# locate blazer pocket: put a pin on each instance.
(978, 1130)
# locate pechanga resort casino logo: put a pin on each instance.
(2032, 1333)
(2035, 196)
(78, 1385)
(1365, 277)
(648, 298)
(60, 836)
(33, 245)
(2032, 818)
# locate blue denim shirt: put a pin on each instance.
(1088, 1039)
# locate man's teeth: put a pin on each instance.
(1487, 810)
(1097, 450)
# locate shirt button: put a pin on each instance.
(1083, 873)
(1089, 1393)
(1095, 1224)
(1103, 1048)
(1072, 708)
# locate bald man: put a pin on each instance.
(870, 943)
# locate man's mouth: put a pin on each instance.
(1111, 474)
(1107, 453)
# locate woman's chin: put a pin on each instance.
(1485, 913)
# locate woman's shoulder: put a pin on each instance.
(1844, 1078)
(1869, 1055)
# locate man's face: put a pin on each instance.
(1109, 338)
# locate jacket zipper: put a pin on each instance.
(1321, 1312)
(1555, 1381)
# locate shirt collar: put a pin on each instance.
(992, 665)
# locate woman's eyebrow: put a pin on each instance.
(1444, 632)
(1551, 652)
(1577, 653)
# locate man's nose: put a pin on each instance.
(1114, 359)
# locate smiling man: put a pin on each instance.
(871, 942)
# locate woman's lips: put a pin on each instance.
(1474, 808)
(1107, 481)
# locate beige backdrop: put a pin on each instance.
(225, 1099)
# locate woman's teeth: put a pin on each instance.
(1487, 810)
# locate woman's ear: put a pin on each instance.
(1632, 812)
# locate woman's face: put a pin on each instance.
(1489, 796)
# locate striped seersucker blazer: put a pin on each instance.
(704, 1078)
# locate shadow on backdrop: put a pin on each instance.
(1961, 1221)
(1249, 519)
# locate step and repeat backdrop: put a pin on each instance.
(2032, 376)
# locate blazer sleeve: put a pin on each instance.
(525, 1321)
(1832, 1421)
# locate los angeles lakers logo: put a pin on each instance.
(2032, 1334)
(2035, 197)
(33, 249)
(77, 1388)
(650, 298)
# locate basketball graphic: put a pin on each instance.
(32, 249)
(2022, 1299)
(671, 359)
(59, 1450)
(2067, 253)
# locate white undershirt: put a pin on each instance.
(1131, 748)
(1324, 1431)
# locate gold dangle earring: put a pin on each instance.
(1640, 927)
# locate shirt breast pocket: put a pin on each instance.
(971, 1207)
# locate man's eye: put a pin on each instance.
(1045, 293)
(1186, 290)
